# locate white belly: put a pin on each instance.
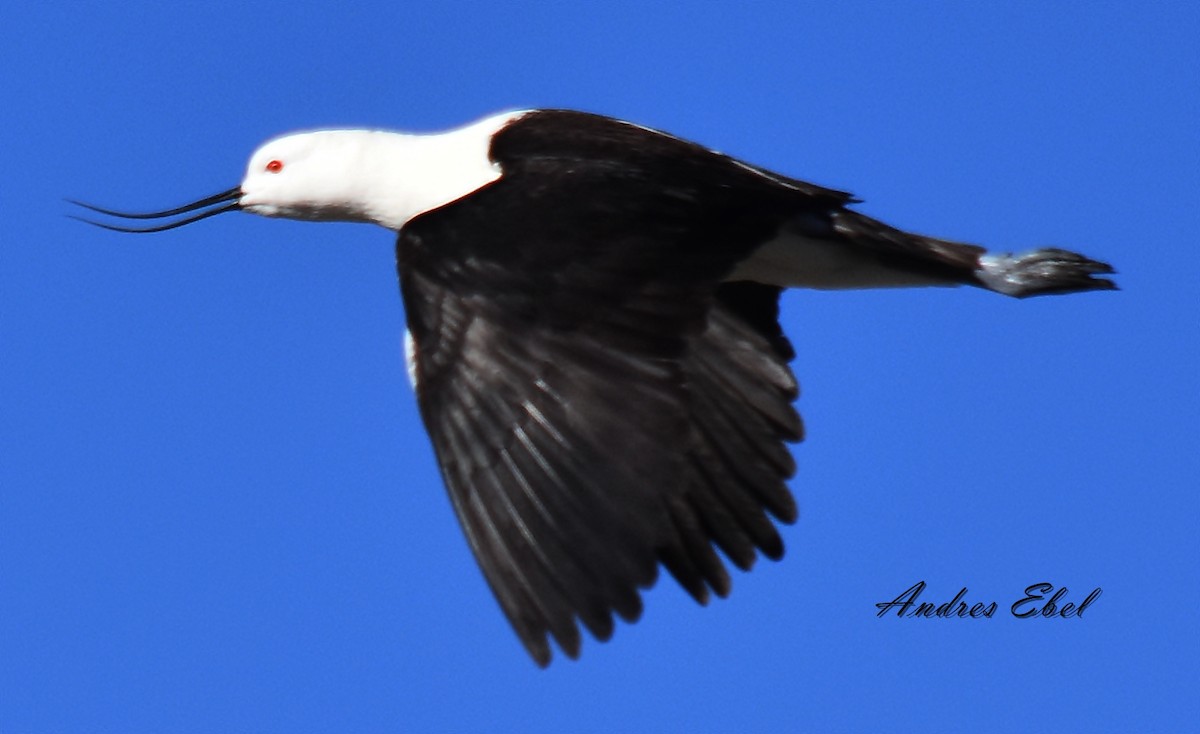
(792, 260)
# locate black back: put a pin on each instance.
(598, 399)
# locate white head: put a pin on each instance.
(324, 175)
(369, 175)
(375, 176)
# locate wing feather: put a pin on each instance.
(598, 400)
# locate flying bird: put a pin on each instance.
(593, 336)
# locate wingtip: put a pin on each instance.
(539, 650)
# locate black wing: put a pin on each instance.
(598, 401)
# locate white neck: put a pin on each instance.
(413, 174)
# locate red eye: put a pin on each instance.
(275, 166)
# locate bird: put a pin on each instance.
(593, 336)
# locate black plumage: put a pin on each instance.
(597, 355)
(599, 400)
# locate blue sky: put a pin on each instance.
(219, 511)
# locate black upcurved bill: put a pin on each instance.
(229, 198)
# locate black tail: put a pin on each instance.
(1042, 272)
